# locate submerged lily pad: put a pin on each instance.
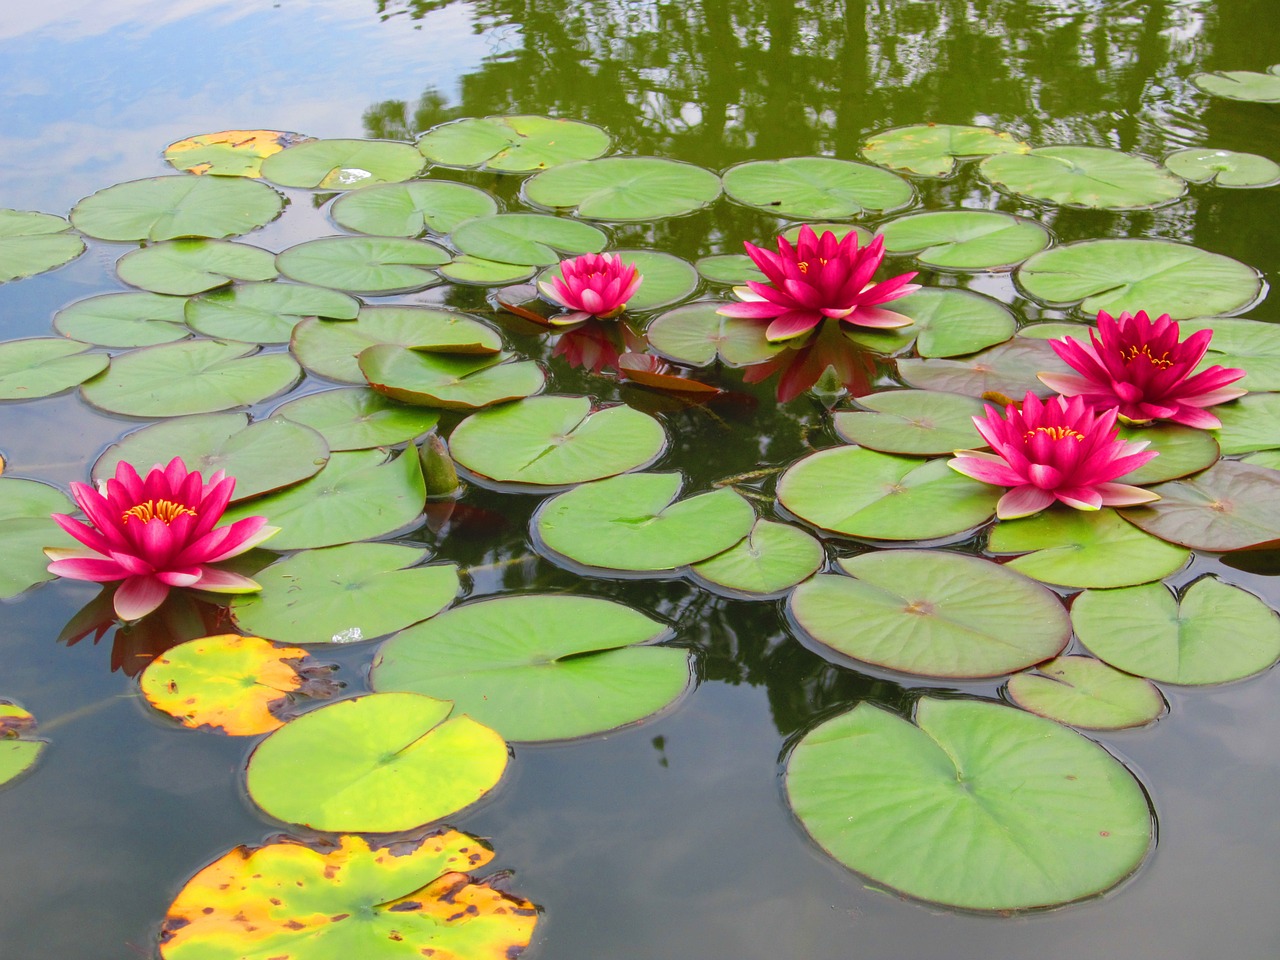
(375, 764)
(1224, 168)
(32, 243)
(124, 320)
(539, 667)
(666, 279)
(450, 381)
(816, 188)
(168, 208)
(770, 560)
(409, 209)
(342, 164)
(1008, 368)
(1242, 84)
(532, 238)
(25, 530)
(976, 805)
(1230, 506)
(1250, 345)
(43, 366)
(372, 265)
(931, 150)
(515, 144)
(343, 594)
(933, 613)
(185, 267)
(696, 334)
(1120, 275)
(914, 422)
(1095, 177)
(1084, 692)
(265, 312)
(18, 749)
(965, 239)
(229, 153)
(1211, 633)
(624, 188)
(358, 419)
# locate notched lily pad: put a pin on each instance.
(25, 530)
(19, 750)
(264, 312)
(1230, 506)
(1224, 168)
(696, 334)
(1095, 177)
(532, 238)
(913, 422)
(448, 381)
(185, 267)
(43, 366)
(514, 144)
(1250, 345)
(1008, 368)
(624, 188)
(342, 164)
(770, 560)
(229, 153)
(965, 239)
(931, 150)
(169, 208)
(1182, 451)
(124, 320)
(410, 209)
(367, 265)
(1242, 84)
(359, 418)
(1084, 692)
(816, 188)
(31, 243)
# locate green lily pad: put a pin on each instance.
(19, 751)
(342, 164)
(633, 522)
(351, 898)
(539, 667)
(1230, 506)
(1084, 692)
(43, 366)
(264, 312)
(1242, 84)
(194, 376)
(532, 238)
(816, 188)
(32, 243)
(369, 265)
(1250, 345)
(965, 239)
(1094, 177)
(1076, 548)
(347, 593)
(666, 279)
(330, 349)
(841, 230)
(913, 422)
(735, 268)
(1055, 330)
(624, 188)
(1249, 424)
(931, 150)
(696, 334)
(410, 209)
(1224, 168)
(375, 764)
(1211, 633)
(358, 495)
(465, 268)
(1264, 458)
(1120, 275)
(932, 613)
(185, 267)
(515, 144)
(1008, 368)
(554, 440)
(878, 496)
(450, 381)
(358, 419)
(263, 456)
(25, 530)
(947, 322)
(769, 561)
(1183, 450)
(124, 320)
(229, 153)
(976, 805)
(168, 208)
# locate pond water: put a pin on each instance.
(671, 837)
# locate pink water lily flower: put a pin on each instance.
(1139, 365)
(818, 279)
(155, 534)
(592, 285)
(1056, 450)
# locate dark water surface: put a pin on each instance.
(670, 839)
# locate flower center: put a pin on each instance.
(1132, 353)
(803, 265)
(165, 510)
(1055, 433)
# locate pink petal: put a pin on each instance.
(876, 317)
(138, 596)
(972, 463)
(224, 581)
(95, 569)
(1022, 502)
(1123, 494)
(1068, 384)
(1080, 498)
(793, 323)
(752, 310)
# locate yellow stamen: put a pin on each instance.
(165, 510)
(1055, 433)
(1134, 352)
(803, 266)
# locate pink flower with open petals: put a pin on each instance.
(154, 534)
(1056, 450)
(1139, 365)
(820, 278)
(592, 285)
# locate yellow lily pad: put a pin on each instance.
(229, 153)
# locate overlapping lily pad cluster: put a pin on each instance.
(396, 393)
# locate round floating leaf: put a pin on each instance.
(263, 456)
(977, 806)
(43, 366)
(375, 764)
(25, 530)
(343, 594)
(265, 312)
(342, 164)
(634, 522)
(1250, 345)
(228, 683)
(862, 493)
(1085, 692)
(409, 209)
(195, 376)
(555, 440)
(736, 268)
(357, 496)
(451, 381)
(538, 667)
(933, 614)
(1264, 458)
(841, 230)
(949, 323)
(32, 243)
(913, 422)
(1230, 506)
(230, 153)
(1242, 84)
(1212, 633)
(1008, 368)
(1076, 548)
(965, 239)
(665, 279)
(816, 188)
(772, 559)
(345, 900)
(931, 150)
(124, 320)
(1224, 168)
(358, 419)
(625, 188)
(1182, 450)
(1055, 330)
(185, 267)
(517, 144)
(330, 349)
(166, 208)
(696, 334)
(373, 265)
(487, 273)
(1083, 177)
(1249, 424)
(1120, 275)
(532, 238)
(18, 751)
